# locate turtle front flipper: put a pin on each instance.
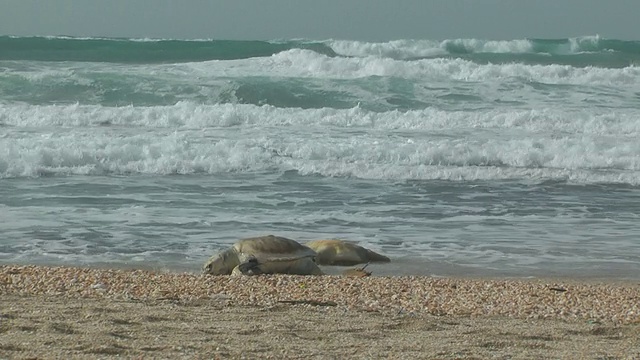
(255, 266)
(250, 267)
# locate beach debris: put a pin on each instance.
(99, 286)
(558, 289)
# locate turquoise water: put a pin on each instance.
(463, 156)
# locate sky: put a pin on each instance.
(366, 20)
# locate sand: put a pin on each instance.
(62, 312)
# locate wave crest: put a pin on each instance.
(415, 49)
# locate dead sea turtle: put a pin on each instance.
(264, 255)
(343, 253)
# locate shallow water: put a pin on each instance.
(427, 227)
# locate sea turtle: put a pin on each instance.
(343, 253)
(264, 255)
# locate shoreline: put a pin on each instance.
(49, 312)
(396, 268)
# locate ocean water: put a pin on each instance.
(457, 157)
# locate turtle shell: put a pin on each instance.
(272, 248)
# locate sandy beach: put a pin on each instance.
(83, 313)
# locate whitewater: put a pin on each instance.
(454, 157)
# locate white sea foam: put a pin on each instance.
(412, 49)
(429, 144)
(309, 64)
(398, 49)
(556, 121)
(584, 43)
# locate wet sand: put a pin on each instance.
(82, 313)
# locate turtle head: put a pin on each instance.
(222, 263)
